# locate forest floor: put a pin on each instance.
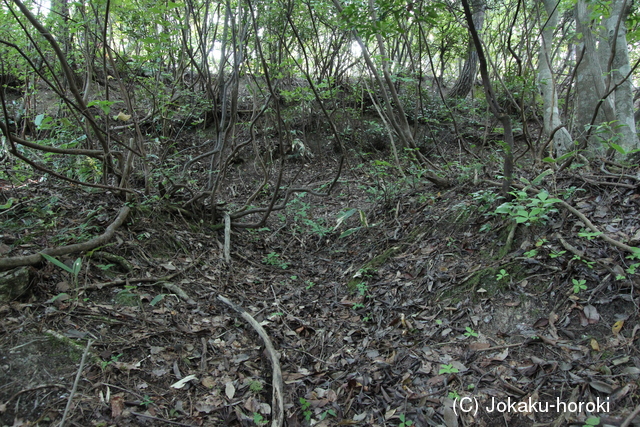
(420, 300)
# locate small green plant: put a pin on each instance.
(453, 395)
(309, 284)
(305, 406)
(343, 217)
(470, 332)
(531, 254)
(273, 258)
(557, 254)
(503, 274)
(114, 359)
(302, 218)
(633, 267)
(328, 412)
(527, 209)
(589, 264)
(127, 296)
(591, 422)
(74, 270)
(589, 235)
(256, 386)
(404, 422)
(578, 285)
(146, 401)
(259, 419)
(448, 369)
(362, 288)
(484, 200)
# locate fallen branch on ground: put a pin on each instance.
(19, 261)
(278, 403)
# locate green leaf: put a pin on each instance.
(504, 208)
(157, 299)
(618, 148)
(57, 263)
(77, 265)
(349, 232)
(344, 217)
(38, 120)
(8, 204)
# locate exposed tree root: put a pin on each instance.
(7, 263)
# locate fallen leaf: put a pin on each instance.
(209, 382)
(229, 390)
(450, 417)
(123, 117)
(620, 393)
(117, 406)
(631, 370)
(617, 326)
(595, 345)
(601, 386)
(479, 345)
(591, 313)
(169, 266)
(621, 360)
(183, 381)
(541, 323)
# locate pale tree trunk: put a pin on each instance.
(562, 141)
(617, 54)
(463, 85)
(614, 119)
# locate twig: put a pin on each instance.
(227, 238)
(589, 224)
(501, 347)
(154, 280)
(615, 184)
(39, 387)
(175, 423)
(277, 403)
(627, 422)
(75, 383)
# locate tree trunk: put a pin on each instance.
(562, 141)
(620, 69)
(596, 105)
(464, 84)
(504, 118)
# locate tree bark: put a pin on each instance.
(620, 69)
(590, 87)
(562, 141)
(504, 118)
(464, 84)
